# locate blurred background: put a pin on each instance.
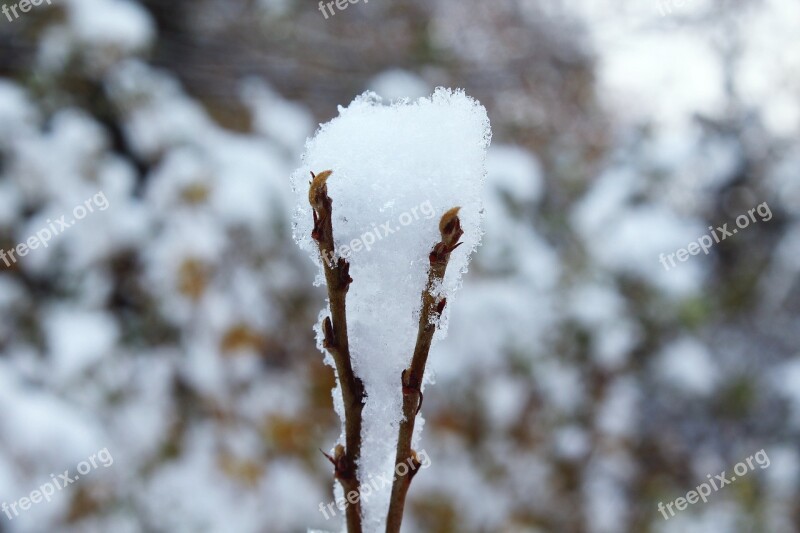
(581, 383)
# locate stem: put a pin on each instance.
(334, 327)
(411, 379)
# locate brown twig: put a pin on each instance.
(411, 379)
(334, 328)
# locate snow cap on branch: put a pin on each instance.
(397, 170)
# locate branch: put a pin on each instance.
(411, 379)
(334, 328)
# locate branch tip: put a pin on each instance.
(318, 190)
(450, 227)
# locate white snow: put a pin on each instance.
(571, 442)
(515, 172)
(628, 239)
(786, 379)
(118, 23)
(396, 84)
(688, 366)
(78, 340)
(618, 412)
(505, 399)
(288, 123)
(386, 162)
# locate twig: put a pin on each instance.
(334, 328)
(411, 379)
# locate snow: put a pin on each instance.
(117, 23)
(505, 399)
(571, 442)
(786, 379)
(79, 340)
(603, 492)
(16, 112)
(781, 475)
(562, 385)
(489, 302)
(288, 123)
(478, 502)
(766, 59)
(659, 89)
(594, 305)
(516, 172)
(396, 84)
(38, 418)
(11, 293)
(613, 344)
(160, 114)
(74, 142)
(688, 366)
(618, 413)
(629, 239)
(387, 161)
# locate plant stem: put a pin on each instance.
(411, 379)
(337, 276)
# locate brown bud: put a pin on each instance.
(408, 389)
(415, 457)
(318, 189)
(339, 462)
(344, 273)
(327, 330)
(338, 452)
(404, 380)
(343, 468)
(450, 228)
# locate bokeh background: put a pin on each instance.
(581, 382)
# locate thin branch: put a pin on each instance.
(411, 379)
(334, 328)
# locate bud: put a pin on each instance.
(450, 227)
(318, 189)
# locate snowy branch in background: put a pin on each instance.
(384, 161)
